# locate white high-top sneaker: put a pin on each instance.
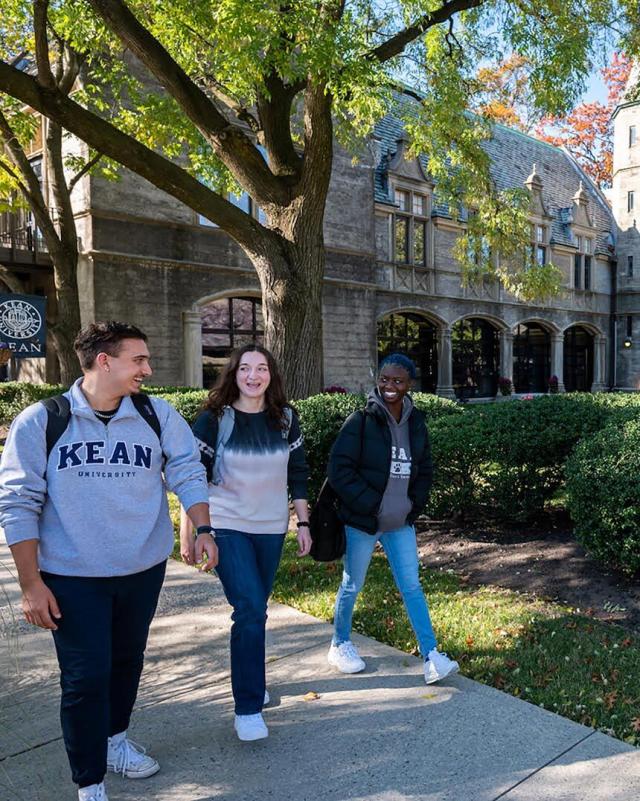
(128, 758)
(95, 792)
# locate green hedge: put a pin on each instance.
(188, 403)
(506, 460)
(17, 395)
(603, 495)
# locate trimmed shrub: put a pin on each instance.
(603, 495)
(187, 403)
(505, 461)
(17, 395)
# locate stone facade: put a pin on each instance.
(390, 268)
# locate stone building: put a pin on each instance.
(391, 279)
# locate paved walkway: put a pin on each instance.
(381, 735)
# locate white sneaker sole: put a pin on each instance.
(250, 739)
(141, 774)
(435, 679)
(357, 669)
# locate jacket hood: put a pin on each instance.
(375, 403)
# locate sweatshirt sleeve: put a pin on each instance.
(23, 469)
(183, 471)
(297, 470)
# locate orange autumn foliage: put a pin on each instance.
(587, 132)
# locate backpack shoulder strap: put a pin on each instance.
(145, 409)
(58, 415)
(225, 428)
(288, 417)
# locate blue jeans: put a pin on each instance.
(100, 642)
(402, 552)
(246, 568)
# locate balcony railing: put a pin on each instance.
(22, 245)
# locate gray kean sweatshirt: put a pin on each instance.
(98, 504)
(396, 505)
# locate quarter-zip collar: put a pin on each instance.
(81, 407)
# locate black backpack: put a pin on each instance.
(59, 414)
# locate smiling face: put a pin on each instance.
(253, 376)
(393, 384)
(126, 371)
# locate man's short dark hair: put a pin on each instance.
(104, 337)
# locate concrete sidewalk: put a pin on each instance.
(381, 735)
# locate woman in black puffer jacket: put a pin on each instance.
(381, 470)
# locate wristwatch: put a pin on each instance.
(302, 523)
(206, 530)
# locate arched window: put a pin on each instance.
(228, 323)
(531, 358)
(416, 337)
(475, 349)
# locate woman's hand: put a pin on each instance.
(188, 544)
(304, 541)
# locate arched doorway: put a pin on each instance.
(578, 359)
(475, 350)
(228, 323)
(531, 358)
(406, 332)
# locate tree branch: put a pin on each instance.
(85, 169)
(397, 43)
(275, 119)
(229, 141)
(45, 75)
(104, 137)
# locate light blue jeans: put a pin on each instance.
(402, 552)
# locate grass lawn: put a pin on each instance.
(547, 654)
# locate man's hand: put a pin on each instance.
(39, 605)
(205, 544)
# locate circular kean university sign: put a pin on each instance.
(19, 319)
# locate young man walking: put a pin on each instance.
(84, 509)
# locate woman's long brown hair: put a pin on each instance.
(226, 391)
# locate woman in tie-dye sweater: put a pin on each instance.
(261, 463)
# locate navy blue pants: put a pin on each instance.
(100, 644)
(247, 567)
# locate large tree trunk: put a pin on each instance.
(65, 330)
(63, 249)
(67, 320)
(292, 309)
(291, 275)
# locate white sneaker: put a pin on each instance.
(130, 759)
(437, 666)
(94, 792)
(250, 727)
(345, 657)
(267, 698)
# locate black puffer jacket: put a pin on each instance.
(360, 462)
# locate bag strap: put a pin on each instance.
(145, 409)
(226, 423)
(58, 416)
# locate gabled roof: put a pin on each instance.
(513, 155)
